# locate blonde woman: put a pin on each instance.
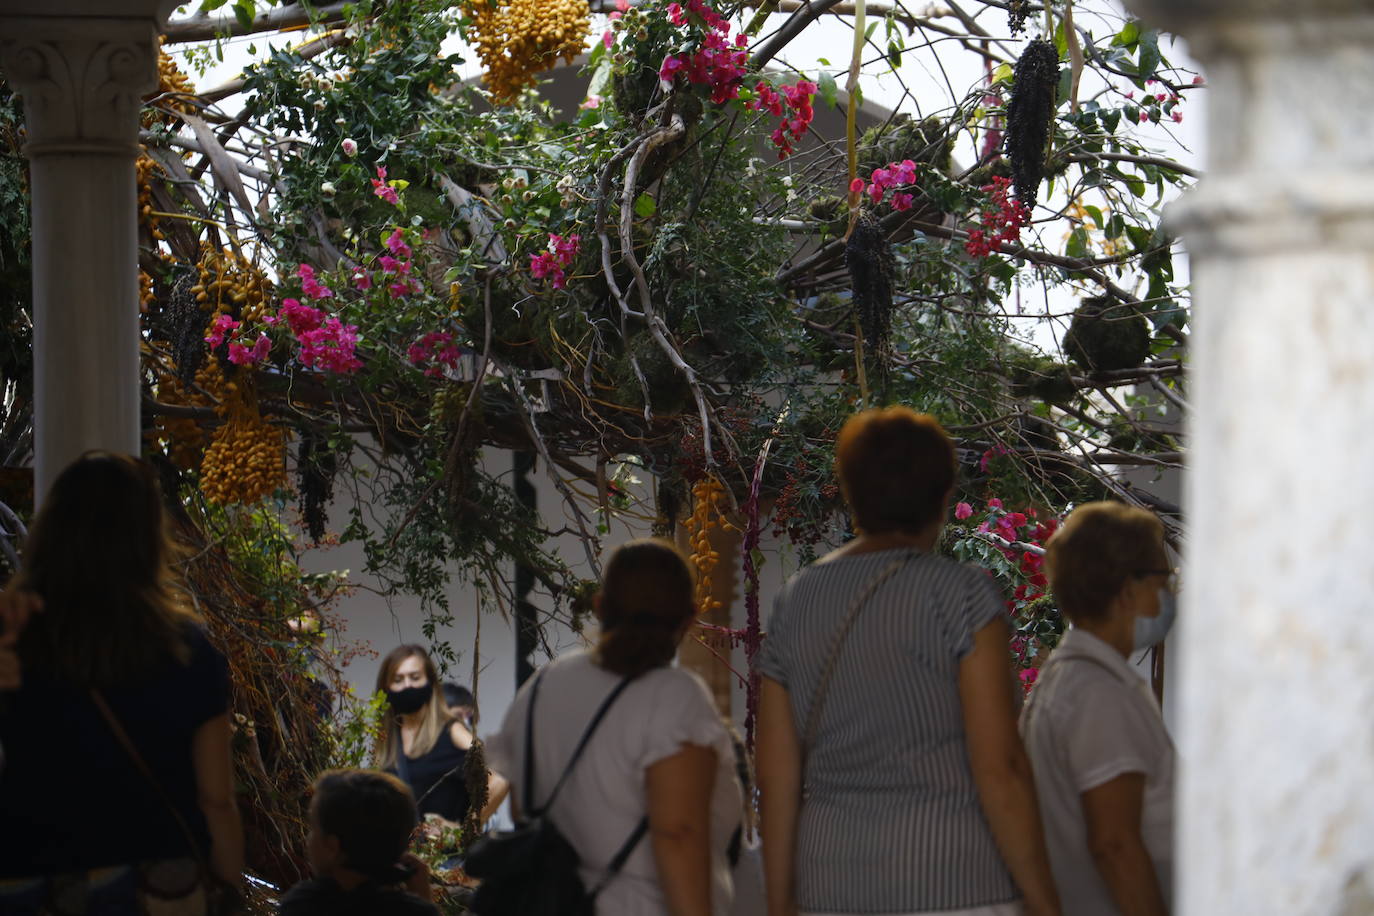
(422, 744)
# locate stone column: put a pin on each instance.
(82, 81)
(1276, 737)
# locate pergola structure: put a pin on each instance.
(1276, 812)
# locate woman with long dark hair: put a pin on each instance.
(423, 744)
(657, 776)
(118, 781)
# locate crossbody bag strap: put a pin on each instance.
(127, 743)
(813, 715)
(577, 752)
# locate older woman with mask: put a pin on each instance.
(1103, 761)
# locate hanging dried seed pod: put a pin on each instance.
(1035, 84)
(1017, 10)
(868, 256)
(316, 465)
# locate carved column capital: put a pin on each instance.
(82, 81)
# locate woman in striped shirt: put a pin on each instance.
(892, 777)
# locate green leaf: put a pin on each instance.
(1140, 238)
(244, 11)
(894, 54)
(1128, 36)
(868, 32)
(645, 206)
(1065, 86)
(1149, 54)
(1061, 41)
(1078, 243)
(1115, 226)
(1096, 214)
(1110, 119)
(828, 88)
(209, 6)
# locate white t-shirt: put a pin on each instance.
(604, 798)
(1089, 720)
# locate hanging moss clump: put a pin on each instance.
(926, 141)
(1106, 335)
(868, 256)
(1044, 379)
(1034, 88)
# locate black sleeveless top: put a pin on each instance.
(438, 779)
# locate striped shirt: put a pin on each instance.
(891, 820)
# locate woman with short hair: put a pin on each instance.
(1104, 764)
(657, 775)
(892, 777)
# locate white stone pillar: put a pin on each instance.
(82, 81)
(1276, 737)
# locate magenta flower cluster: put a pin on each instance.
(720, 62)
(240, 354)
(435, 351)
(551, 264)
(324, 342)
(793, 105)
(383, 189)
(893, 175)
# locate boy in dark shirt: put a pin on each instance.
(360, 825)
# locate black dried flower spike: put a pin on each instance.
(1035, 83)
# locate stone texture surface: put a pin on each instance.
(82, 81)
(1276, 737)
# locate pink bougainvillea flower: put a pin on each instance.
(591, 103)
(675, 14)
(902, 201)
(1177, 116)
(622, 6)
(300, 318)
(607, 38)
(963, 511)
(668, 71)
(361, 280)
(1029, 675)
(994, 503)
(1144, 116)
(396, 244)
(222, 327)
(389, 264)
(856, 186)
(1199, 81)
(381, 188)
(243, 355)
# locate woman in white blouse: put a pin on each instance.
(1103, 761)
(661, 751)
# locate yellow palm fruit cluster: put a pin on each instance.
(173, 87)
(230, 284)
(181, 437)
(517, 40)
(145, 166)
(146, 295)
(246, 459)
(707, 513)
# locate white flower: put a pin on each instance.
(327, 189)
(350, 146)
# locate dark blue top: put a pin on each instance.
(70, 797)
(438, 778)
(324, 897)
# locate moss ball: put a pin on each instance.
(1106, 335)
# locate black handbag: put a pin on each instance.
(532, 869)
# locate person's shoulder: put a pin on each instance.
(309, 897)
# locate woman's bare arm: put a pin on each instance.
(679, 790)
(214, 769)
(1001, 769)
(780, 778)
(1112, 814)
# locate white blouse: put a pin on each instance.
(604, 798)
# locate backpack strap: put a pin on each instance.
(576, 754)
(622, 856)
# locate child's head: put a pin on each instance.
(360, 820)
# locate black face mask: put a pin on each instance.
(411, 699)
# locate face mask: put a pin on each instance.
(1150, 631)
(411, 699)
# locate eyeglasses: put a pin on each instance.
(1171, 577)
